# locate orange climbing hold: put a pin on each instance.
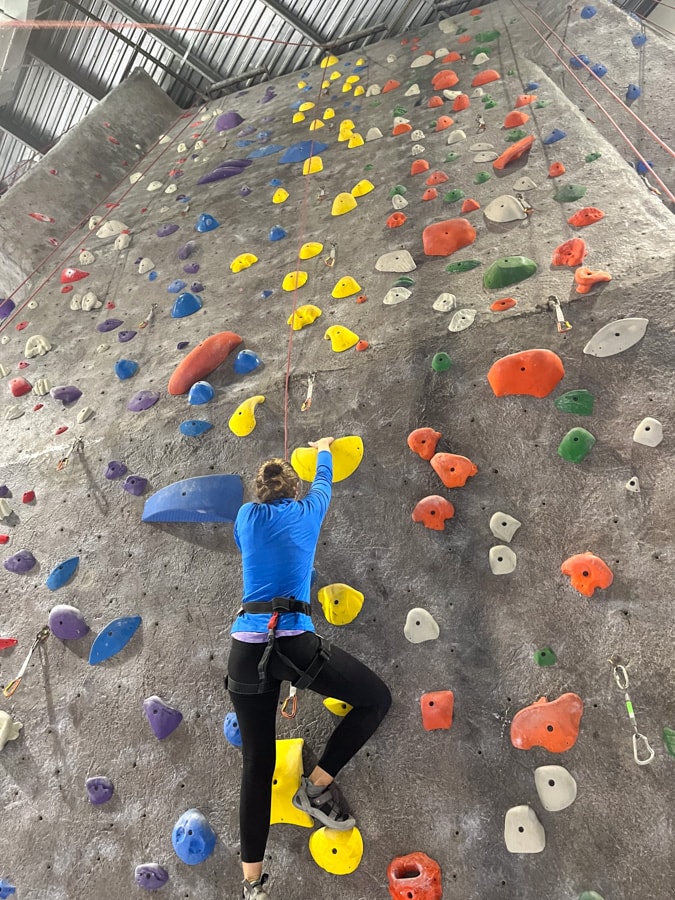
(437, 709)
(443, 122)
(525, 100)
(453, 56)
(571, 253)
(430, 194)
(589, 215)
(444, 80)
(553, 726)
(391, 85)
(515, 119)
(452, 469)
(418, 166)
(514, 152)
(503, 304)
(433, 511)
(556, 169)
(396, 219)
(401, 128)
(435, 102)
(531, 372)
(470, 205)
(586, 278)
(476, 12)
(444, 238)
(461, 102)
(436, 177)
(464, 39)
(422, 441)
(361, 346)
(486, 77)
(587, 572)
(414, 877)
(201, 361)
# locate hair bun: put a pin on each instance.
(273, 470)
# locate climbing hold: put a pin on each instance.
(508, 270)
(588, 12)
(423, 441)
(502, 560)
(135, 484)
(441, 362)
(553, 138)
(337, 707)
(163, 719)
(362, 188)
(632, 93)
(587, 572)
(341, 603)
(556, 169)
(445, 78)
(570, 253)
(456, 136)
(20, 386)
(20, 562)
(373, 134)
(396, 295)
(452, 469)
(617, 336)
(454, 196)
(243, 421)
(343, 203)
(338, 852)
(194, 427)
(523, 832)
(552, 725)
(515, 134)
(165, 230)
(37, 345)
(590, 895)
(302, 316)
(433, 511)
(531, 372)
(227, 121)
(586, 216)
(312, 165)
(556, 788)
(231, 729)
(545, 657)
(113, 638)
(185, 305)
(142, 400)
(443, 122)
(193, 838)
(466, 265)
(99, 789)
(599, 70)
(9, 731)
(591, 157)
(200, 392)
(515, 119)
(504, 209)
(310, 250)
(446, 237)
(444, 302)
(514, 152)
(415, 876)
(576, 445)
(69, 275)
(201, 361)
(67, 623)
(586, 278)
(485, 77)
(6, 308)
(462, 319)
(436, 178)
(418, 166)
(125, 368)
(481, 177)
(485, 156)
(479, 59)
(420, 626)
(294, 280)
(649, 432)
(668, 740)
(150, 876)
(461, 102)
(579, 402)
(29, 496)
(84, 414)
(524, 184)
(280, 196)
(206, 223)
(341, 338)
(392, 84)
(125, 336)
(109, 325)
(569, 193)
(347, 455)
(503, 304)
(285, 783)
(503, 526)
(396, 261)
(206, 498)
(62, 573)
(397, 219)
(277, 233)
(243, 261)
(437, 708)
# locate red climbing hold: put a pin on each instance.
(396, 219)
(201, 361)
(361, 346)
(28, 497)
(418, 166)
(503, 304)
(452, 469)
(464, 39)
(391, 85)
(525, 100)
(514, 152)
(20, 386)
(437, 177)
(38, 406)
(470, 205)
(61, 429)
(113, 140)
(586, 278)
(6, 643)
(401, 128)
(531, 372)
(430, 194)
(23, 364)
(415, 876)
(571, 253)
(553, 726)
(435, 102)
(66, 289)
(486, 77)
(589, 215)
(69, 275)
(515, 119)
(444, 80)
(443, 122)
(437, 709)
(444, 238)
(587, 572)
(433, 511)
(453, 56)
(556, 169)
(422, 441)
(461, 102)
(22, 325)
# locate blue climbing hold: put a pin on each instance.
(153, 276)
(176, 286)
(277, 233)
(194, 427)
(205, 222)
(276, 182)
(643, 168)
(125, 368)
(200, 392)
(246, 361)
(265, 294)
(206, 498)
(244, 143)
(193, 838)
(599, 70)
(577, 62)
(588, 12)
(185, 305)
(267, 150)
(632, 92)
(639, 40)
(303, 150)
(555, 136)
(6, 889)
(264, 136)
(113, 638)
(231, 729)
(531, 86)
(62, 573)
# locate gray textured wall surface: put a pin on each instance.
(445, 792)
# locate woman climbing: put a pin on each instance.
(274, 641)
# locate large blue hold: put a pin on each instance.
(206, 498)
(62, 573)
(588, 12)
(231, 729)
(113, 638)
(577, 61)
(193, 838)
(246, 361)
(185, 305)
(267, 150)
(125, 368)
(555, 136)
(302, 150)
(195, 427)
(200, 392)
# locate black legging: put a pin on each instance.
(342, 677)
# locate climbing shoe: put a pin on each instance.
(319, 803)
(255, 890)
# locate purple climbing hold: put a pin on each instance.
(125, 336)
(163, 719)
(66, 393)
(196, 287)
(166, 230)
(227, 121)
(187, 250)
(142, 400)
(176, 286)
(181, 345)
(20, 563)
(268, 95)
(67, 623)
(136, 485)
(4, 491)
(220, 174)
(115, 470)
(150, 876)
(99, 789)
(191, 268)
(247, 129)
(6, 307)
(109, 325)
(245, 190)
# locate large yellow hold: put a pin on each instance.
(359, 90)
(346, 287)
(294, 280)
(243, 261)
(346, 129)
(298, 117)
(311, 165)
(280, 195)
(355, 140)
(306, 105)
(347, 455)
(242, 421)
(285, 783)
(329, 113)
(328, 61)
(343, 203)
(338, 852)
(340, 338)
(362, 188)
(310, 250)
(315, 124)
(303, 315)
(341, 603)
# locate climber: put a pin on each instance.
(274, 640)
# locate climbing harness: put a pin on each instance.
(307, 402)
(561, 322)
(41, 636)
(76, 447)
(642, 751)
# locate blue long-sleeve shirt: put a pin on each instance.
(277, 542)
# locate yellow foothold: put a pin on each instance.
(337, 707)
(294, 280)
(341, 603)
(307, 105)
(352, 79)
(362, 188)
(346, 88)
(303, 315)
(325, 84)
(359, 90)
(328, 61)
(343, 203)
(311, 165)
(285, 783)
(315, 124)
(310, 250)
(346, 287)
(360, 61)
(340, 338)
(346, 129)
(280, 195)
(298, 117)
(242, 421)
(243, 261)
(347, 455)
(329, 113)
(302, 84)
(338, 852)
(334, 76)
(355, 140)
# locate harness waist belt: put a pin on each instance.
(278, 604)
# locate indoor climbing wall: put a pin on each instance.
(428, 251)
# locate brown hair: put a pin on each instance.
(276, 479)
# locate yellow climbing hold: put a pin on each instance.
(302, 84)
(346, 88)
(338, 852)
(243, 261)
(303, 315)
(355, 140)
(337, 707)
(280, 195)
(346, 287)
(329, 113)
(315, 124)
(362, 188)
(359, 90)
(286, 781)
(298, 117)
(343, 203)
(334, 76)
(328, 61)
(242, 421)
(346, 129)
(340, 338)
(310, 250)
(352, 79)
(311, 165)
(347, 455)
(360, 61)
(341, 603)
(294, 280)
(307, 105)
(325, 84)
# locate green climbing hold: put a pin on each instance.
(590, 895)
(481, 177)
(399, 110)
(579, 402)
(569, 193)
(485, 98)
(542, 104)
(441, 362)
(517, 134)
(669, 739)
(477, 50)
(398, 189)
(545, 657)
(368, 167)
(511, 72)
(509, 270)
(593, 156)
(454, 196)
(490, 104)
(405, 281)
(466, 265)
(452, 156)
(576, 445)
(487, 36)
(460, 29)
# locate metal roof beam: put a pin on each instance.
(57, 63)
(18, 130)
(297, 23)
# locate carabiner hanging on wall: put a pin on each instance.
(11, 687)
(289, 707)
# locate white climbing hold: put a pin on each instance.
(401, 120)
(485, 156)
(41, 386)
(523, 832)
(617, 336)
(199, 145)
(102, 348)
(504, 526)
(449, 94)
(395, 261)
(462, 319)
(391, 58)
(481, 145)
(416, 150)
(154, 186)
(111, 228)
(373, 90)
(85, 413)
(447, 26)
(524, 184)
(441, 52)
(420, 626)
(122, 241)
(413, 90)
(164, 139)
(91, 301)
(76, 301)
(478, 92)
(633, 485)
(9, 729)
(94, 222)
(5, 509)
(424, 60)
(373, 134)
(502, 560)
(398, 201)
(136, 176)
(4, 339)
(480, 58)
(13, 412)
(557, 789)
(172, 188)
(649, 432)
(33, 304)
(182, 147)
(396, 295)
(504, 209)
(37, 345)
(456, 136)
(86, 257)
(3, 371)
(417, 135)
(145, 265)
(444, 302)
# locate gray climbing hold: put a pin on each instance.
(420, 626)
(504, 526)
(556, 788)
(523, 832)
